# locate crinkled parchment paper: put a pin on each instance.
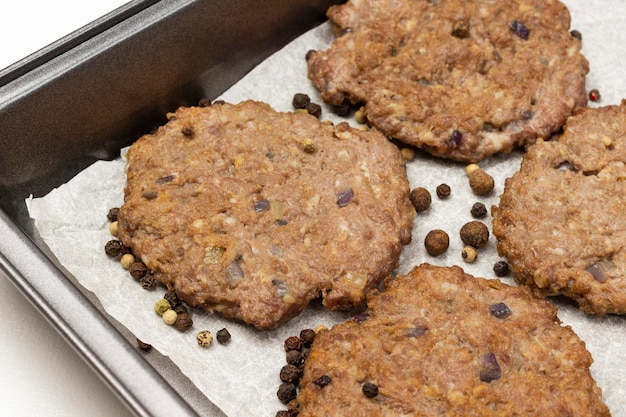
(242, 377)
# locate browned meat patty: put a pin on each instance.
(253, 213)
(560, 221)
(461, 79)
(439, 342)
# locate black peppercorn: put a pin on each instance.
(294, 357)
(307, 336)
(443, 191)
(137, 270)
(300, 100)
(147, 281)
(293, 343)
(183, 322)
(501, 268)
(369, 390)
(478, 210)
(314, 109)
(223, 336)
(286, 392)
(112, 214)
(172, 298)
(290, 373)
(343, 109)
(113, 248)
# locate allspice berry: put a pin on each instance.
(475, 234)
(480, 182)
(421, 199)
(436, 242)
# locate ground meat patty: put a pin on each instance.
(560, 221)
(439, 342)
(461, 79)
(253, 213)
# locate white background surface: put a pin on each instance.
(40, 375)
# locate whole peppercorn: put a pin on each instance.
(223, 336)
(147, 281)
(469, 254)
(308, 145)
(290, 373)
(343, 109)
(113, 229)
(204, 102)
(314, 109)
(169, 317)
(420, 197)
(183, 322)
(480, 181)
(127, 260)
(286, 392)
(294, 357)
(307, 336)
(478, 210)
(475, 234)
(594, 95)
(137, 270)
(369, 390)
(293, 343)
(204, 338)
(436, 242)
(443, 191)
(113, 248)
(501, 268)
(293, 408)
(161, 306)
(300, 100)
(112, 214)
(172, 298)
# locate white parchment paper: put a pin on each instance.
(242, 377)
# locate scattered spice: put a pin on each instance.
(294, 357)
(500, 310)
(172, 299)
(369, 390)
(286, 392)
(519, 29)
(183, 321)
(475, 234)
(300, 100)
(290, 373)
(436, 242)
(576, 34)
(322, 381)
(469, 254)
(137, 270)
(421, 199)
(147, 281)
(293, 343)
(223, 336)
(112, 214)
(204, 102)
(308, 145)
(169, 317)
(161, 306)
(501, 268)
(314, 109)
(343, 110)
(479, 210)
(187, 131)
(594, 95)
(443, 191)
(113, 228)
(127, 260)
(204, 338)
(480, 181)
(113, 248)
(307, 336)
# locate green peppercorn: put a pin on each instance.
(162, 306)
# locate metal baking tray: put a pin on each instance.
(85, 97)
